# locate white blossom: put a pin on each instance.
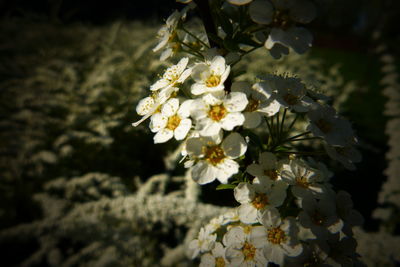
(210, 76)
(204, 243)
(173, 76)
(257, 197)
(277, 237)
(214, 160)
(260, 102)
(268, 168)
(214, 113)
(171, 121)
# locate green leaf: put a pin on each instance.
(225, 186)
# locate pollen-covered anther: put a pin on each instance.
(260, 201)
(291, 99)
(276, 236)
(214, 154)
(323, 125)
(220, 262)
(217, 112)
(272, 174)
(252, 105)
(249, 251)
(302, 182)
(173, 122)
(213, 80)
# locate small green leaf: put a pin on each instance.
(225, 186)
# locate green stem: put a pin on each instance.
(315, 153)
(194, 36)
(269, 129)
(283, 120)
(294, 137)
(307, 138)
(292, 124)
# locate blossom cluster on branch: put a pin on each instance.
(241, 133)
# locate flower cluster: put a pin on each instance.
(244, 135)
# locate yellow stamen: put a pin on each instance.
(173, 122)
(249, 251)
(213, 80)
(217, 112)
(276, 236)
(214, 154)
(260, 201)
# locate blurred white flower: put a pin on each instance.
(213, 160)
(347, 155)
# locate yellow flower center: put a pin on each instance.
(173, 122)
(323, 125)
(249, 251)
(217, 112)
(260, 201)
(276, 236)
(219, 262)
(214, 154)
(291, 99)
(252, 105)
(213, 80)
(272, 174)
(302, 182)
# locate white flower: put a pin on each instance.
(214, 113)
(214, 160)
(172, 121)
(283, 16)
(324, 122)
(204, 243)
(168, 34)
(342, 251)
(215, 223)
(260, 102)
(290, 92)
(173, 76)
(344, 208)
(304, 180)
(231, 216)
(320, 217)
(240, 251)
(210, 76)
(314, 254)
(257, 197)
(269, 167)
(151, 104)
(277, 237)
(215, 258)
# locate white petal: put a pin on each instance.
(247, 213)
(239, 2)
(232, 120)
(276, 254)
(200, 72)
(234, 145)
(170, 107)
(261, 11)
(251, 120)
(185, 108)
(198, 109)
(236, 101)
(270, 218)
(163, 136)
(198, 88)
(183, 128)
(255, 170)
(208, 127)
(158, 122)
(218, 65)
(226, 169)
(203, 173)
(194, 146)
(145, 105)
(292, 251)
(270, 108)
(184, 75)
(159, 84)
(243, 193)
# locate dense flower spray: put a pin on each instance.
(244, 134)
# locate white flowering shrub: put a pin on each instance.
(244, 134)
